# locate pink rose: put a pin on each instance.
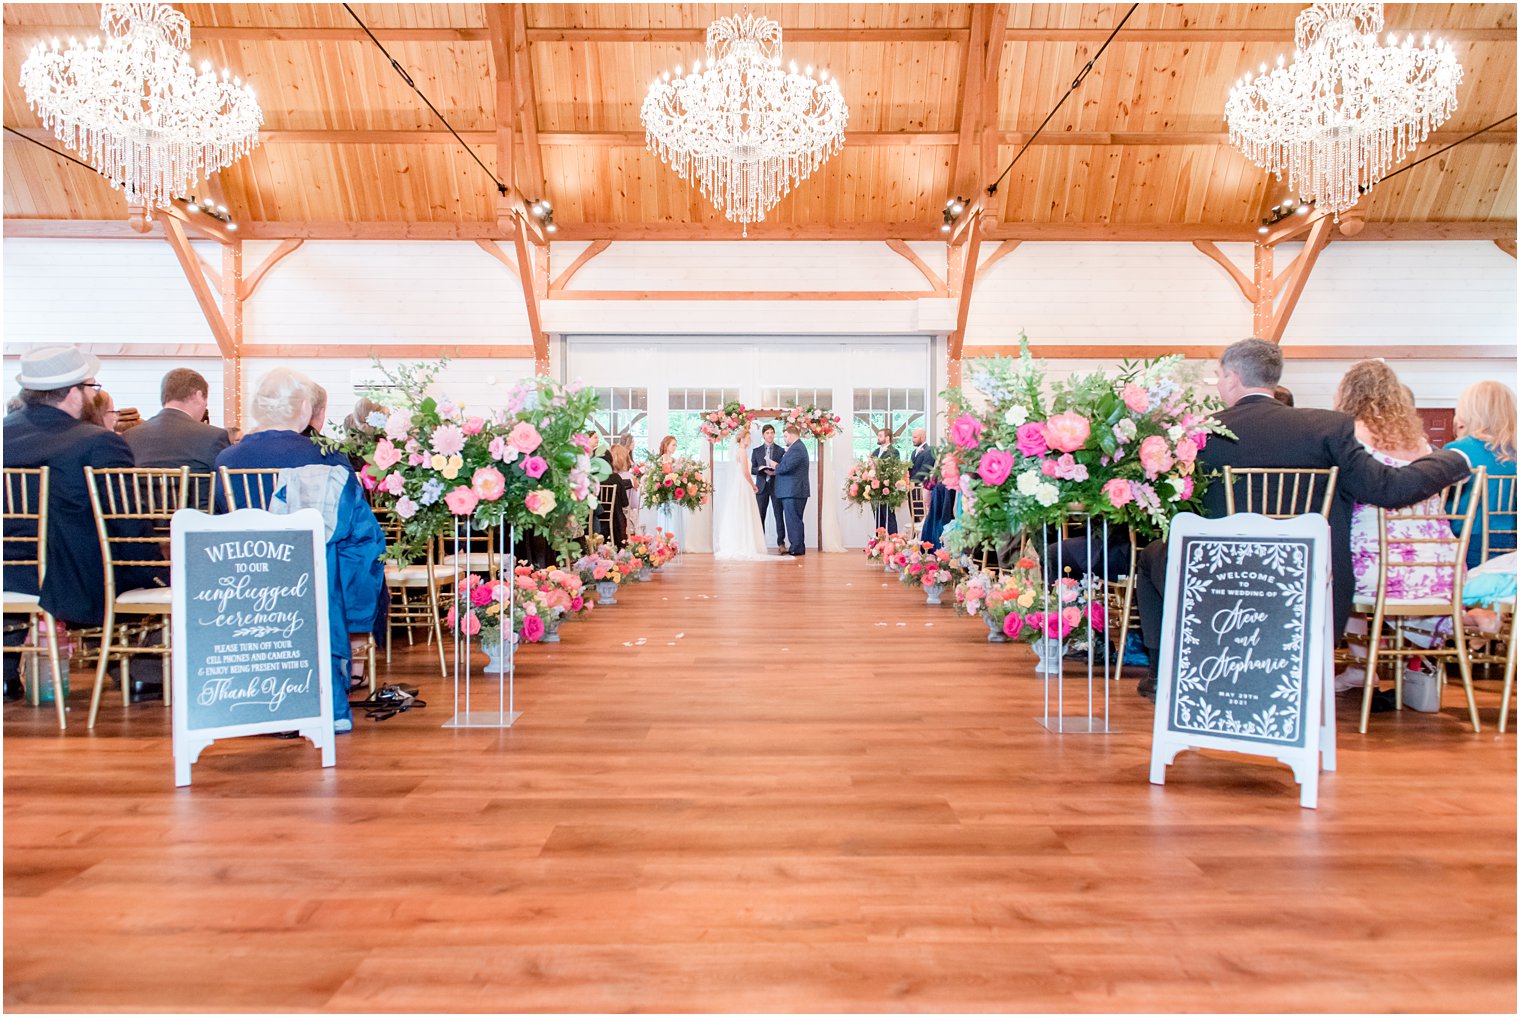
(854, 490)
(680, 492)
(488, 483)
(1118, 492)
(534, 466)
(525, 437)
(532, 628)
(1067, 432)
(1201, 439)
(386, 455)
(1096, 617)
(1048, 467)
(415, 459)
(577, 603)
(540, 503)
(393, 484)
(481, 595)
(1056, 626)
(1187, 450)
(1071, 617)
(1155, 457)
(1183, 487)
(470, 625)
(995, 467)
(461, 501)
(966, 431)
(1031, 439)
(1035, 620)
(474, 425)
(582, 441)
(1012, 625)
(367, 479)
(1136, 398)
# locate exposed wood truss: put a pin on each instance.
(279, 254)
(592, 250)
(1004, 249)
(526, 274)
(1507, 246)
(1247, 285)
(495, 251)
(224, 318)
(928, 273)
(506, 103)
(1284, 292)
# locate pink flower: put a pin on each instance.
(474, 425)
(398, 424)
(966, 431)
(1183, 486)
(1071, 617)
(534, 466)
(1155, 457)
(448, 440)
(1031, 439)
(525, 437)
(367, 479)
(532, 628)
(469, 624)
(577, 603)
(950, 469)
(1136, 398)
(461, 501)
(995, 467)
(1067, 432)
(1056, 626)
(1187, 450)
(488, 483)
(1118, 492)
(1201, 439)
(1096, 616)
(1068, 468)
(540, 503)
(405, 507)
(582, 441)
(393, 483)
(1035, 620)
(386, 455)
(415, 459)
(1012, 625)
(680, 492)
(854, 490)
(481, 595)
(447, 409)
(1048, 467)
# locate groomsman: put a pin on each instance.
(885, 516)
(922, 462)
(762, 464)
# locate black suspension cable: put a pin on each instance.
(1075, 83)
(49, 148)
(1454, 144)
(501, 188)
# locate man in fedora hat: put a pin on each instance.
(48, 430)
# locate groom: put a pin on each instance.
(762, 464)
(792, 490)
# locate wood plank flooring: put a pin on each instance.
(763, 787)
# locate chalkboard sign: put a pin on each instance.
(1246, 643)
(251, 645)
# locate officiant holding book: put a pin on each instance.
(763, 460)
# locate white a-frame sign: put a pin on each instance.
(1246, 644)
(251, 646)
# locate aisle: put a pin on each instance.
(755, 787)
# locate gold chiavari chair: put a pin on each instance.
(428, 577)
(1439, 551)
(606, 499)
(133, 509)
(1122, 602)
(1279, 493)
(1498, 517)
(202, 492)
(26, 509)
(249, 488)
(474, 551)
(918, 507)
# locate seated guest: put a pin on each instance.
(1485, 425)
(359, 429)
(624, 508)
(101, 411)
(1270, 435)
(50, 429)
(175, 437)
(126, 419)
(885, 515)
(318, 411)
(281, 407)
(281, 410)
(1388, 427)
(1283, 394)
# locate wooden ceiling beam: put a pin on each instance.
(1507, 246)
(1247, 287)
(1292, 283)
(190, 263)
(525, 274)
(527, 108)
(501, 69)
(969, 123)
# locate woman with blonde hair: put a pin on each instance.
(1485, 425)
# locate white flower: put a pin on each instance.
(1016, 415)
(1047, 493)
(1124, 430)
(1028, 483)
(1175, 433)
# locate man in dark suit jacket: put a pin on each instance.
(1269, 434)
(765, 480)
(792, 489)
(886, 517)
(47, 431)
(921, 464)
(176, 437)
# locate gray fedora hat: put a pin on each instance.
(49, 368)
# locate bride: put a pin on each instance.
(737, 532)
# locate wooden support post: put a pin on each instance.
(527, 112)
(232, 314)
(525, 269)
(1507, 246)
(957, 339)
(1261, 307)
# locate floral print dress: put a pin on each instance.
(1403, 584)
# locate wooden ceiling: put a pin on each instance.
(940, 96)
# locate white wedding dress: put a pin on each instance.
(736, 534)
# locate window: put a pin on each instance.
(685, 420)
(783, 398)
(623, 411)
(901, 409)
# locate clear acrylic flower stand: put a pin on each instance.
(1053, 663)
(464, 656)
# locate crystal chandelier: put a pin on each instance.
(1346, 109)
(745, 129)
(134, 106)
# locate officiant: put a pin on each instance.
(886, 515)
(762, 464)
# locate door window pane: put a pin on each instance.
(685, 418)
(623, 411)
(901, 409)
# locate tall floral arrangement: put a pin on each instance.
(809, 419)
(877, 482)
(1122, 446)
(720, 423)
(683, 483)
(525, 464)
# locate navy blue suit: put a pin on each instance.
(922, 464)
(886, 518)
(765, 486)
(792, 490)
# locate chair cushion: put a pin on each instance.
(1369, 603)
(153, 595)
(22, 600)
(416, 575)
(472, 560)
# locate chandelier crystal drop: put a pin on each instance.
(136, 109)
(1346, 109)
(745, 129)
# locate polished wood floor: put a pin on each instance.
(765, 787)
